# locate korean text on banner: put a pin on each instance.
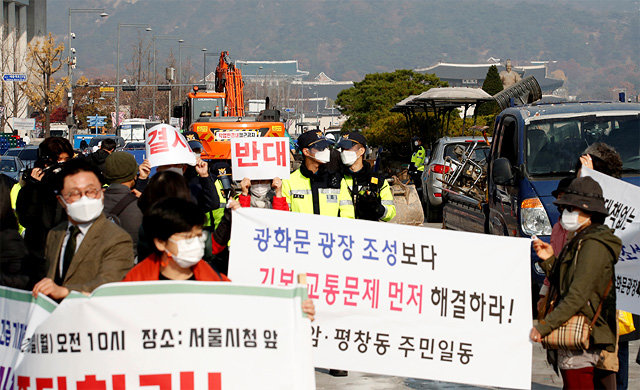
(623, 203)
(165, 145)
(260, 158)
(398, 300)
(186, 335)
(20, 314)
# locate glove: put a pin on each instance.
(222, 234)
(369, 207)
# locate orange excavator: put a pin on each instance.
(218, 116)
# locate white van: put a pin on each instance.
(132, 130)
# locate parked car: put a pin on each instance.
(11, 166)
(134, 146)
(28, 155)
(435, 168)
(97, 139)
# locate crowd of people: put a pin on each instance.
(77, 221)
(73, 223)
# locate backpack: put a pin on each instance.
(113, 215)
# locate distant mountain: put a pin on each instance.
(595, 42)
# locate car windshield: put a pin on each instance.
(206, 104)
(479, 154)
(554, 145)
(134, 146)
(29, 154)
(12, 152)
(7, 165)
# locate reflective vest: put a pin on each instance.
(333, 202)
(14, 200)
(214, 216)
(386, 198)
(418, 158)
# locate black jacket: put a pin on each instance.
(131, 217)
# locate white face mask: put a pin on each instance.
(190, 251)
(84, 209)
(323, 156)
(259, 189)
(348, 157)
(569, 220)
(416, 143)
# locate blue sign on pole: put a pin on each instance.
(14, 77)
(289, 110)
(96, 121)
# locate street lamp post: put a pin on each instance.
(180, 78)
(103, 14)
(135, 25)
(258, 68)
(155, 72)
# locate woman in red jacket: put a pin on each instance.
(175, 227)
(263, 194)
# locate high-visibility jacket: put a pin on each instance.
(332, 200)
(14, 200)
(418, 158)
(213, 217)
(384, 192)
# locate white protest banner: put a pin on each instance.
(172, 335)
(20, 314)
(398, 300)
(622, 199)
(165, 145)
(260, 158)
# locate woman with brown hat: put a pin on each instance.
(581, 278)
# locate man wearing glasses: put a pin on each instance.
(87, 250)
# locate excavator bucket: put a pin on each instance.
(408, 206)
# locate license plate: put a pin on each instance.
(227, 135)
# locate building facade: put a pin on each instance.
(22, 22)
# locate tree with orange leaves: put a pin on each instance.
(44, 59)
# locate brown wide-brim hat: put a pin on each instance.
(585, 194)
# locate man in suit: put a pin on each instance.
(87, 250)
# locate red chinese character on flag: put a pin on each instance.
(158, 142)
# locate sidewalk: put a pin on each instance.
(543, 377)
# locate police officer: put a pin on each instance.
(371, 194)
(313, 189)
(417, 162)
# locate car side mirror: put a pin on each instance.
(502, 172)
(177, 111)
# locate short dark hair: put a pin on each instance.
(51, 148)
(170, 216)
(74, 166)
(108, 144)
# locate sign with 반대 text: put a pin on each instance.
(260, 158)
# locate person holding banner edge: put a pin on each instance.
(371, 195)
(312, 189)
(263, 194)
(175, 227)
(581, 278)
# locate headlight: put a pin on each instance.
(533, 218)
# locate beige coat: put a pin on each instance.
(104, 256)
